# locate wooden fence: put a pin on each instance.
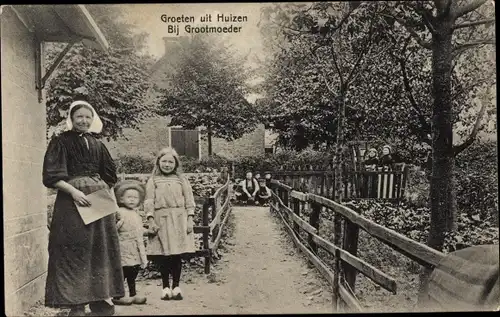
(380, 185)
(215, 213)
(288, 205)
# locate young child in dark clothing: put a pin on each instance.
(263, 194)
(386, 161)
(371, 160)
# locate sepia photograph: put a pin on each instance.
(330, 157)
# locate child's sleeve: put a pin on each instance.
(140, 244)
(268, 191)
(149, 199)
(188, 196)
(119, 220)
(256, 186)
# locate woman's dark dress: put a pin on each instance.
(84, 260)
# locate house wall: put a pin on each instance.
(249, 144)
(23, 147)
(152, 136)
(154, 133)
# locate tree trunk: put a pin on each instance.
(209, 138)
(443, 208)
(339, 151)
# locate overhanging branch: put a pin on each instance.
(426, 14)
(466, 8)
(409, 93)
(413, 33)
(334, 58)
(323, 75)
(458, 49)
(474, 23)
(362, 54)
(459, 148)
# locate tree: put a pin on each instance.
(397, 80)
(445, 20)
(115, 83)
(207, 89)
(421, 81)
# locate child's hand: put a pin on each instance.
(190, 224)
(119, 224)
(153, 228)
(144, 264)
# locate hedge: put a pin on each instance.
(137, 164)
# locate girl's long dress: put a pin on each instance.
(169, 199)
(84, 260)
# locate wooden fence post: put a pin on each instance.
(286, 197)
(206, 246)
(314, 221)
(337, 227)
(350, 244)
(296, 210)
(212, 202)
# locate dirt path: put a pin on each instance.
(260, 274)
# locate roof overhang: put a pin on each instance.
(62, 23)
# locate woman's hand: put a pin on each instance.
(80, 198)
(190, 224)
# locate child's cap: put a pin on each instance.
(125, 185)
(387, 147)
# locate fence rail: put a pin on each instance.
(381, 185)
(215, 208)
(288, 204)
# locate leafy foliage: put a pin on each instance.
(130, 164)
(395, 87)
(477, 180)
(285, 159)
(115, 83)
(207, 89)
(313, 68)
(415, 224)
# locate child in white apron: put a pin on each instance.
(169, 207)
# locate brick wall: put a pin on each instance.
(152, 136)
(23, 147)
(248, 145)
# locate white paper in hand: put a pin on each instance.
(102, 204)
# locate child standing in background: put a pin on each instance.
(386, 161)
(264, 193)
(169, 207)
(129, 195)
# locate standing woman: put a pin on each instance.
(84, 260)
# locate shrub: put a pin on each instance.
(415, 223)
(134, 164)
(143, 165)
(205, 164)
(477, 181)
(417, 187)
(283, 159)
